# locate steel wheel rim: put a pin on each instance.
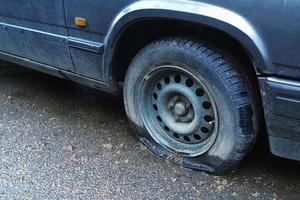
(178, 110)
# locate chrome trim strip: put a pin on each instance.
(86, 45)
(5, 26)
(283, 81)
(71, 41)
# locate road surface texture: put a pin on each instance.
(60, 140)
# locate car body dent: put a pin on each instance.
(192, 11)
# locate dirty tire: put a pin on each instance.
(227, 87)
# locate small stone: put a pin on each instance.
(107, 146)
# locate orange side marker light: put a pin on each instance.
(80, 22)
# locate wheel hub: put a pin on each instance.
(183, 113)
(181, 109)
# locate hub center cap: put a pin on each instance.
(180, 109)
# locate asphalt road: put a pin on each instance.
(59, 140)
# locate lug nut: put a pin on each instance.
(188, 105)
(171, 106)
(189, 118)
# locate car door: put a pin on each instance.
(87, 56)
(35, 30)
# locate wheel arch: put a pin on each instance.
(200, 14)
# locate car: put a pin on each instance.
(200, 78)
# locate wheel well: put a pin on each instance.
(140, 33)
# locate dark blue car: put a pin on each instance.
(199, 77)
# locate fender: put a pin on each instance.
(202, 13)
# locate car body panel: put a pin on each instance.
(36, 31)
(276, 22)
(49, 25)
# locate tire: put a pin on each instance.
(169, 115)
